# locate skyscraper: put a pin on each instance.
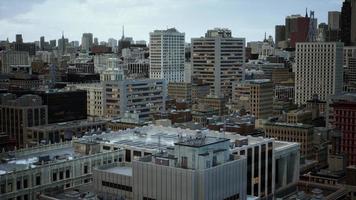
(218, 59)
(353, 22)
(345, 22)
(334, 20)
(280, 34)
(167, 55)
(87, 41)
(42, 42)
(62, 44)
(319, 70)
(19, 38)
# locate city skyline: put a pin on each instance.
(105, 18)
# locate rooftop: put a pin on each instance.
(291, 125)
(66, 125)
(201, 141)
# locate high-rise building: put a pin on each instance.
(19, 38)
(9, 58)
(167, 55)
(325, 77)
(17, 114)
(280, 34)
(345, 22)
(42, 43)
(96, 41)
(218, 60)
(62, 45)
(334, 20)
(112, 43)
(145, 97)
(87, 41)
(254, 96)
(53, 43)
(353, 22)
(342, 112)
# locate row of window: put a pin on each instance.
(117, 186)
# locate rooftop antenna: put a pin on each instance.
(306, 12)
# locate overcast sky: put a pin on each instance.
(104, 18)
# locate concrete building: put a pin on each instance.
(95, 98)
(145, 97)
(254, 96)
(218, 60)
(217, 103)
(342, 116)
(17, 114)
(205, 166)
(264, 156)
(167, 55)
(180, 91)
(325, 78)
(199, 91)
(87, 41)
(261, 98)
(280, 35)
(28, 173)
(10, 57)
(288, 132)
(299, 117)
(353, 22)
(334, 20)
(60, 132)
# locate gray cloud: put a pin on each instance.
(13, 8)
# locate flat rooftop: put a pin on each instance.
(66, 125)
(13, 162)
(154, 137)
(201, 142)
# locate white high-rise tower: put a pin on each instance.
(167, 55)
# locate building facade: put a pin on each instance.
(167, 55)
(325, 78)
(17, 114)
(218, 60)
(144, 96)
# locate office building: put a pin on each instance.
(61, 132)
(112, 43)
(325, 78)
(54, 167)
(291, 132)
(167, 55)
(19, 38)
(342, 115)
(10, 57)
(255, 97)
(218, 60)
(280, 35)
(199, 91)
(17, 114)
(345, 23)
(87, 41)
(64, 105)
(143, 96)
(334, 20)
(216, 103)
(205, 166)
(95, 98)
(180, 91)
(353, 22)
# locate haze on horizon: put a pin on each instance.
(105, 18)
